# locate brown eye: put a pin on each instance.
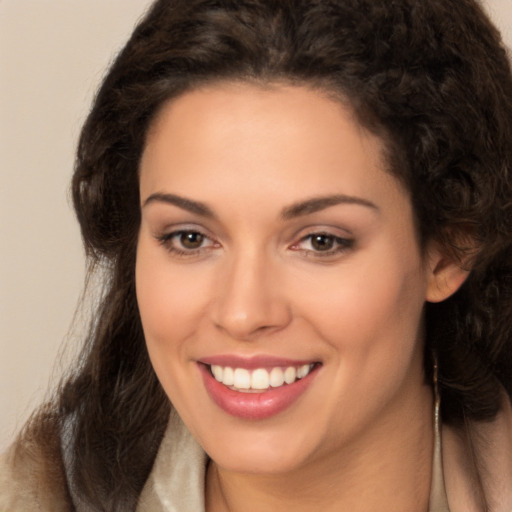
(191, 240)
(322, 242)
(186, 243)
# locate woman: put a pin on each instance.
(303, 210)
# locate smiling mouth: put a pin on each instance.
(259, 380)
(256, 388)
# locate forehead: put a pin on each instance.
(283, 141)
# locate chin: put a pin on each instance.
(262, 462)
(260, 451)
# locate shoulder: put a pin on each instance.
(477, 464)
(30, 481)
(177, 479)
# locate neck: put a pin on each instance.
(387, 468)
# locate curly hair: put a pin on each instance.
(430, 77)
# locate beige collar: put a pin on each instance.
(176, 482)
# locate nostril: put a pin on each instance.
(247, 332)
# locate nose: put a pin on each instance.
(251, 299)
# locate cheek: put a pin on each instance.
(169, 299)
(370, 308)
(370, 316)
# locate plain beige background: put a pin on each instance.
(53, 54)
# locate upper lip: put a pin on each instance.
(253, 362)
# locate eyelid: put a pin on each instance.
(167, 229)
(165, 237)
(342, 243)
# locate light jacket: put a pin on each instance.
(176, 482)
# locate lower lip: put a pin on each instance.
(255, 406)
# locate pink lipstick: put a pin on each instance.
(258, 387)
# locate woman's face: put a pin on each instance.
(276, 252)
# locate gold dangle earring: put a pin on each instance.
(438, 498)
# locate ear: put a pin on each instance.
(445, 276)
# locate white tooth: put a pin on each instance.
(302, 371)
(290, 374)
(242, 379)
(228, 378)
(260, 379)
(217, 372)
(276, 377)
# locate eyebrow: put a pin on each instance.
(181, 202)
(317, 204)
(299, 209)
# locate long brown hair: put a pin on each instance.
(429, 76)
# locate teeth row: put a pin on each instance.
(240, 378)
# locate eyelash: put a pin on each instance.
(340, 244)
(167, 241)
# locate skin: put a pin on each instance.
(360, 437)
